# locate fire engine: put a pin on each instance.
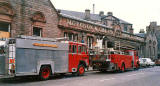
(111, 59)
(26, 55)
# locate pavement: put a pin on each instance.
(142, 77)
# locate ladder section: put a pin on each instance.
(11, 59)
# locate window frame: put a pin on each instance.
(40, 29)
(79, 49)
(74, 49)
(8, 26)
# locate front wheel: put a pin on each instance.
(81, 70)
(137, 66)
(122, 68)
(45, 72)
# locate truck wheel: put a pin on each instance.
(122, 68)
(138, 66)
(81, 70)
(45, 72)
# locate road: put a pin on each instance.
(141, 77)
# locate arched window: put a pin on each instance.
(150, 41)
(154, 43)
(154, 51)
(39, 22)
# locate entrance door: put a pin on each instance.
(73, 58)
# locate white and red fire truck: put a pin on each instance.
(27, 55)
(114, 60)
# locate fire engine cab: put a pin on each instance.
(26, 55)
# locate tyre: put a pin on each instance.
(122, 68)
(137, 66)
(81, 70)
(45, 72)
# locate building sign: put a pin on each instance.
(79, 25)
(96, 29)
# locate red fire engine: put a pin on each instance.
(27, 55)
(114, 60)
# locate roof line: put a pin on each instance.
(90, 22)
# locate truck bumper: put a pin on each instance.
(6, 76)
(106, 65)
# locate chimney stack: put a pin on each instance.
(141, 31)
(93, 8)
(87, 14)
(153, 24)
(110, 14)
(101, 13)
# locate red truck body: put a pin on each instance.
(114, 62)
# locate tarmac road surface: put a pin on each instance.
(142, 77)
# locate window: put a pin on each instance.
(4, 27)
(74, 49)
(154, 43)
(150, 41)
(71, 36)
(110, 44)
(125, 28)
(65, 34)
(37, 31)
(70, 49)
(84, 49)
(154, 51)
(79, 49)
(90, 41)
(75, 37)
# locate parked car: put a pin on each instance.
(146, 62)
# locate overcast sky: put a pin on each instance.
(138, 12)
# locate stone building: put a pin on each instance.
(91, 29)
(151, 41)
(108, 20)
(40, 18)
(155, 31)
(28, 17)
(150, 48)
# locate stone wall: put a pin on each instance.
(24, 10)
(151, 41)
